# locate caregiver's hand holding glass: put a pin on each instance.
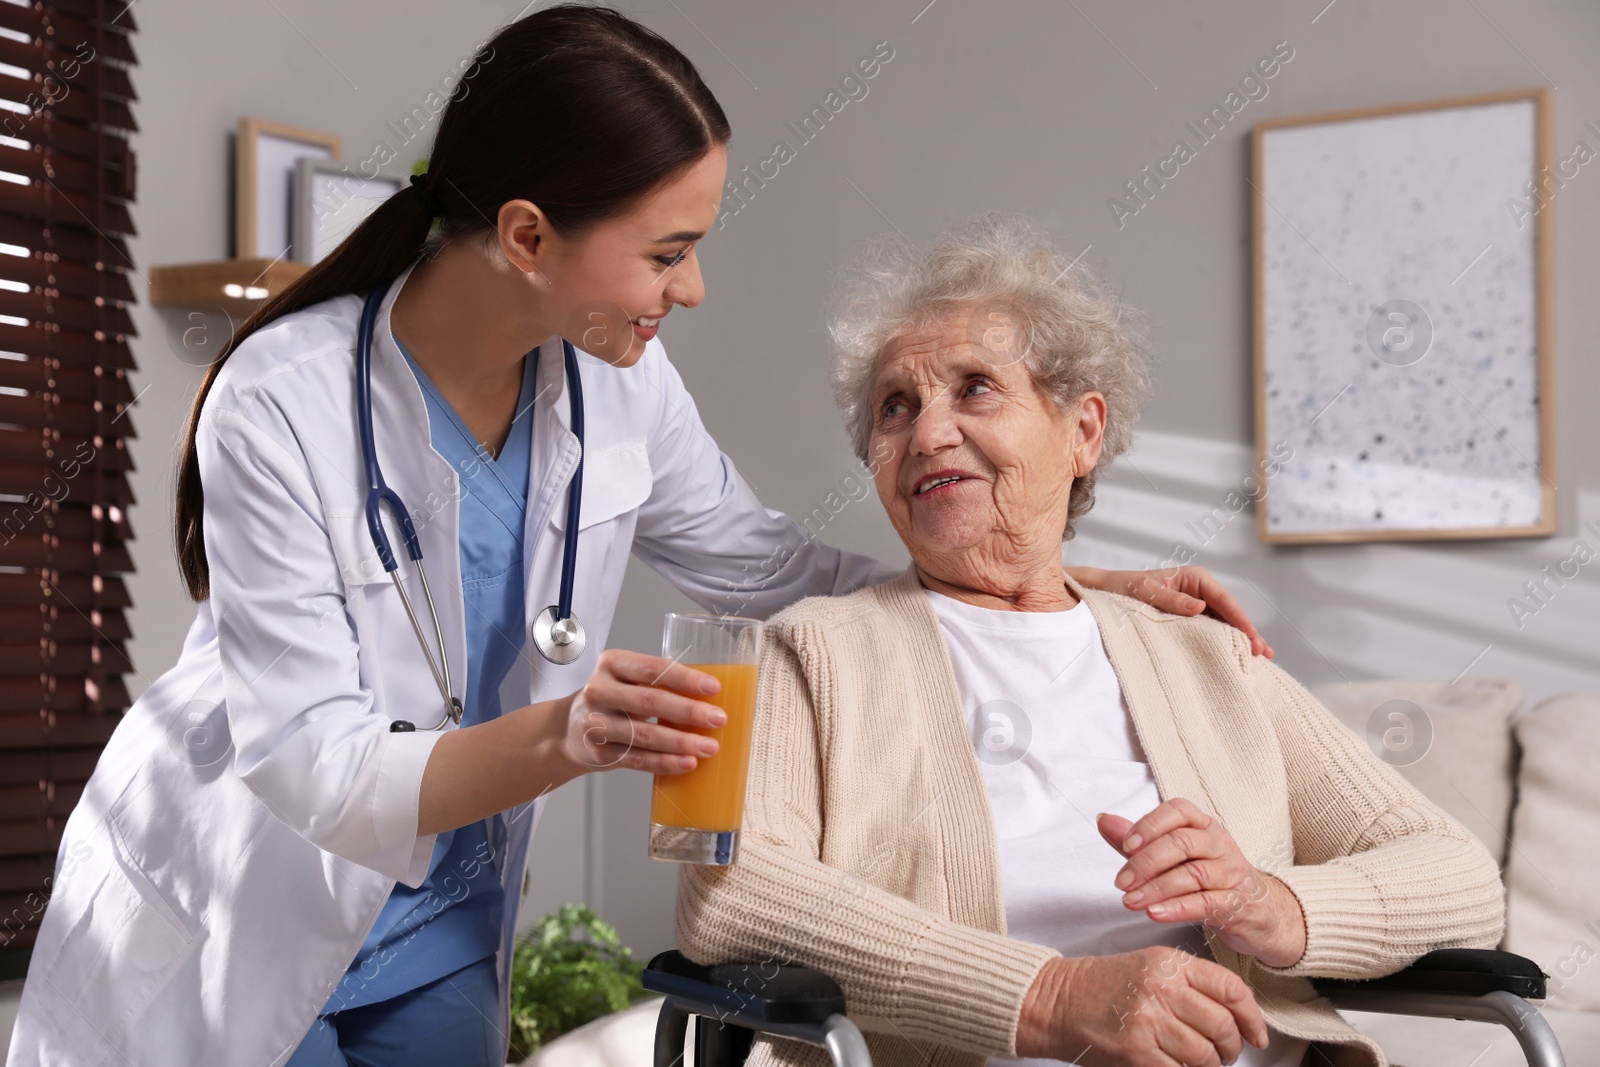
(699, 696)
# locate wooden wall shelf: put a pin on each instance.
(237, 286)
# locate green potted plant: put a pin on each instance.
(568, 969)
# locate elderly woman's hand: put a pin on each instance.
(1184, 867)
(1154, 1006)
(1178, 590)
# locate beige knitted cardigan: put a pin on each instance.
(868, 850)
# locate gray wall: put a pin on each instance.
(1040, 107)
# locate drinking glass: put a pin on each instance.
(694, 817)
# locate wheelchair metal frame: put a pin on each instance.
(1530, 1028)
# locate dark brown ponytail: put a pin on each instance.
(579, 109)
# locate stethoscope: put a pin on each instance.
(556, 633)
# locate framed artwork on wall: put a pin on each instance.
(329, 202)
(1404, 336)
(265, 154)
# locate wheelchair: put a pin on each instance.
(734, 1002)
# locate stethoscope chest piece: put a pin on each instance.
(559, 640)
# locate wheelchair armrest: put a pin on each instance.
(1483, 985)
(753, 993)
(743, 999)
(1453, 971)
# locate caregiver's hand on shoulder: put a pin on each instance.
(1178, 590)
(1184, 867)
(608, 720)
(1158, 1007)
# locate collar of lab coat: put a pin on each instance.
(550, 377)
(555, 448)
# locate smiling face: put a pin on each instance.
(979, 461)
(606, 289)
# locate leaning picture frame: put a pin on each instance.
(265, 154)
(330, 202)
(1404, 321)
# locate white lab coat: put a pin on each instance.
(252, 811)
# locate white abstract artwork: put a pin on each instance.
(1401, 369)
(330, 202)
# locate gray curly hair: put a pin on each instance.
(1075, 335)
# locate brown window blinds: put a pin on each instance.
(66, 183)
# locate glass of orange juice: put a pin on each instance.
(694, 817)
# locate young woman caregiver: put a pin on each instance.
(305, 843)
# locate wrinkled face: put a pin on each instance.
(976, 462)
(607, 289)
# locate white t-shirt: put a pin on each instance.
(1057, 746)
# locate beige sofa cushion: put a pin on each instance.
(626, 1038)
(1554, 874)
(1452, 741)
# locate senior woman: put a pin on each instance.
(1017, 818)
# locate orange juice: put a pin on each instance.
(711, 797)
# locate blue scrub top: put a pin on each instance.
(454, 917)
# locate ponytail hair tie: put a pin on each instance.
(429, 203)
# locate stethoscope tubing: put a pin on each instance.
(569, 547)
(379, 493)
